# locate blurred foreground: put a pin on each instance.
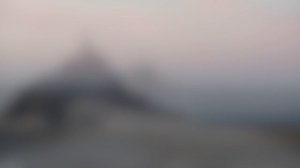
(129, 140)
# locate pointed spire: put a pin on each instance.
(87, 49)
(87, 67)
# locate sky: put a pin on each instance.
(244, 44)
(213, 36)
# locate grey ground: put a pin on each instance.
(137, 141)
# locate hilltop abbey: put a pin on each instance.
(86, 77)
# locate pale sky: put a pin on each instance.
(220, 42)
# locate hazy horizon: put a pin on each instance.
(229, 49)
